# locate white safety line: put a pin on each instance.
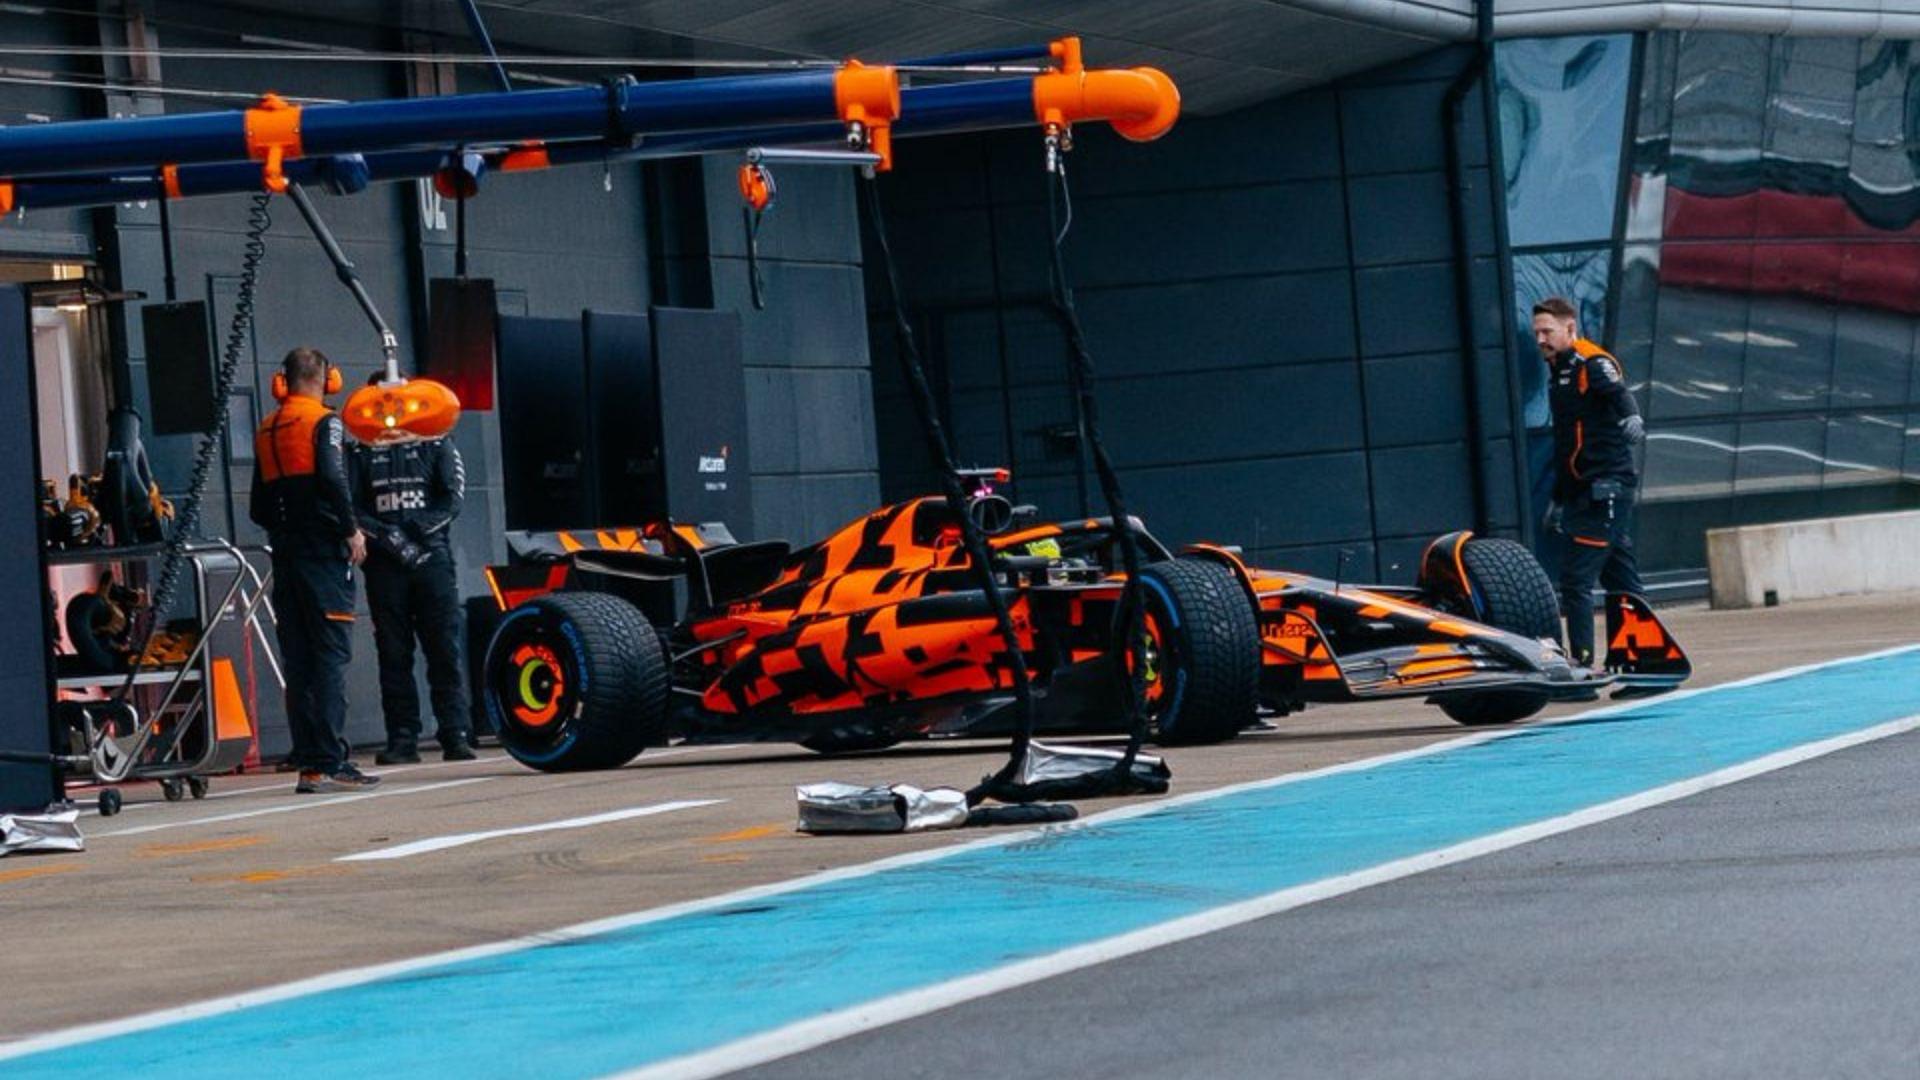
(373, 973)
(818, 1031)
(441, 843)
(306, 802)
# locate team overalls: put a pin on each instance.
(299, 497)
(1594, 484)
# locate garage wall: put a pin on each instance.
(1269, 298)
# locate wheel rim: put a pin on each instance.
(531, 683)
(539, 685)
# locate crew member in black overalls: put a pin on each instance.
(407, 495)
(1595, 426)
(299, 497)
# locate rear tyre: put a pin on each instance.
(1203, 652)
(1515, 595)
(576, 681)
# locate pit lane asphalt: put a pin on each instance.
(206, 902)
(1767, 928)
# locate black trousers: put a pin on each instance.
(313, 612)
(1599, 527)
(423, 605)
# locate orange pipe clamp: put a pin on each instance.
(6, 197)
(870, 97)
(170, 180)
(1140, 103)
(526, 156)
(273, 136)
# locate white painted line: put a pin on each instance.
(441, 843)
(306, 802)
(807, 1034)
(373, 973)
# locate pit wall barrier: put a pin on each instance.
(1763, 565)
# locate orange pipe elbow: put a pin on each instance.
(1141, 103)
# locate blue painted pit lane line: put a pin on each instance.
(783, 967)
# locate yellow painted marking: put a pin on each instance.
(723, 858)
(161, 851)
(34, 872)
(257, 877)
(751, 832)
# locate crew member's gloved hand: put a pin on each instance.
(1634, 428)
(1553, 517)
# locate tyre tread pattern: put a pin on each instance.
(1520, 599)
(1221, 640)
(625, 706)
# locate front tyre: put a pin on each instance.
(576, 681)
(1515, 595)
(1202, 650)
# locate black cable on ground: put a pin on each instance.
(1080, 380)
(259, 220)
(971, 537)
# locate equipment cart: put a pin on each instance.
(180, 721)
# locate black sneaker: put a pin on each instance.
(457, 751)
(310, 782)
(397, 754)
(348, 776)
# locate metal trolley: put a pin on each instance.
(178, 723)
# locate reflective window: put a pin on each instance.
(1563, 106)
(1770, 273)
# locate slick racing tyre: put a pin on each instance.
(576, 681)
(1202, 652)
(1518, 597)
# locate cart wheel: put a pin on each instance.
(109, 801)
(173, 789)
(197, 786)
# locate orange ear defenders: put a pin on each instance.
(335, 383)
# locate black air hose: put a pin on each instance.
(259, 220)
(970, 535)
(1080, 379)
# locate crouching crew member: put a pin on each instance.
(1595, 426)
(299, 497)
(407, 496)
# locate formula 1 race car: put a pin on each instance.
(616, 639)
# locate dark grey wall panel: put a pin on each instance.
(1421, 489)
(1414, 399)
(1399, 217)
(1218, 415)
(815, 316)
(1291, 501)
(1138, 239)
(1297, 140)
(811, 420)
(1277, 319)
(1270, 300)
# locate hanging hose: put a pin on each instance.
(971, 537)
(259, 220)
(1080, 377)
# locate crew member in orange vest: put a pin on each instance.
(1595, 426)
(300, 498)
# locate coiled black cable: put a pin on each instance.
(187, 523)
